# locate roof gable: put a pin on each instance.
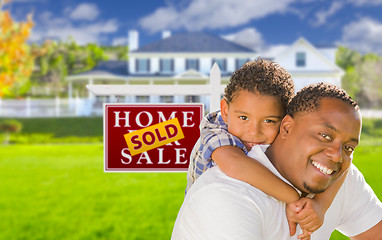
(321, 62)
(193, 42)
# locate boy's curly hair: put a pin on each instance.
(308, 98)
(262, 76)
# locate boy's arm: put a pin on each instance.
(233, 162)
(230, 154)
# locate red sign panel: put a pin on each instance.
(155, 137)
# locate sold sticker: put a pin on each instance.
(154, 136)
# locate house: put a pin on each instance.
(187, 58)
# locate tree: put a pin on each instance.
(63, 58)
(16, 60)
(362, 79)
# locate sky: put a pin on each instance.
(262, 25)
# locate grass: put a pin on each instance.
(61, 192)
(59, 130)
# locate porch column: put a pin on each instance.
(91, 95)
(70, 94)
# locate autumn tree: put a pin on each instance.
(16, 60)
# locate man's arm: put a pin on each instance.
(374, 233)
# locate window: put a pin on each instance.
(142, 65)
(167, 65)
(240, 62)
(192, 98)
(192, 63)
(221, 63)
(300, 59)
(142, 99)
(166, 99)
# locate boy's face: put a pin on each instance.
(253, 118)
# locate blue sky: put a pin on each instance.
(258, 24)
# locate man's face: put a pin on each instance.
(320, 145)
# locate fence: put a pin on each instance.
(59, 107)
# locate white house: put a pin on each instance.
(187, 58)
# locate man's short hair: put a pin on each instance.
(262, 76)
(308, 98)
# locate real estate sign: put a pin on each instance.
(150, 137)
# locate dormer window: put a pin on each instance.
(167, 65)
(300, 59)
(221, 63)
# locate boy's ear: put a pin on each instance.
(224, 109)
(286, 126)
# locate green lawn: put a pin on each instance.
(61, 192)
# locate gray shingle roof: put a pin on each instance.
(118, 68)
(193, 42)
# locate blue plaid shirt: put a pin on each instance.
(213, 134)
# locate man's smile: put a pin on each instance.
(323, 169)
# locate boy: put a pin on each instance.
(251, 112)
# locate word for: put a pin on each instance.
(154, 136)
(145, 118)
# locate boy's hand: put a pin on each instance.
(292, 209)
(306, 212)
(304, 236)
(311, 216)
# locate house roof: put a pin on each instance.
(113, 67)
(193, 42)
(105, 69)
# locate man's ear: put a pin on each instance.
(286, 126)
(224, 109)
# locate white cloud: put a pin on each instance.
(119, 41)
(364, 35)
(273, 51)
(50, 26)
(366, 2)
(248, 37)
(212, 14)
(322, 16)
(85, 11)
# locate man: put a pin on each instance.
(313, 149)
